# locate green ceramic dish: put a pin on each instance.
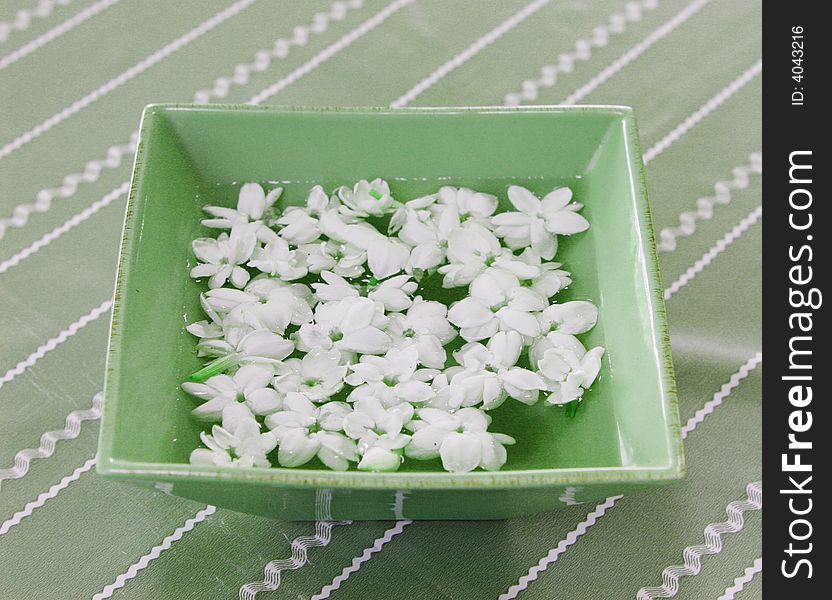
(626, 432)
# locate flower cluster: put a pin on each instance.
(356, 328)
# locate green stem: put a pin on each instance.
(215, 367)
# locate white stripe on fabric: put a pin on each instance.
(23, 18)
(42, 499)
(330, 51)
(703, 111)
(743, 580)
(124, 77)
(692, 555)
(356, 563)
(699, 416)
(714, 251)
(53, 343)
(460, 59)
(616, 24)
(300, 547)
(71, 23)
(280, 49)
(50, 439)
(90, 174)
(92, 170)
(66, 226)
(155, 552)
(633, 53)
(723, 194)
(609, 503)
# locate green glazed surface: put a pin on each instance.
(626, 431)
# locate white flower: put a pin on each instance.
(260, 346)
(238, 443)
(318, 375)
(304, 431)
(425, 326)
(549, 280)
(490, 372)
(378, 431)
(276, 258)
(428, 235)
(565, 365)
(366, 198)
(252, 204)
(497, 302)
(342, 259)
(461, 439)
(300, 225)
(350, 325)
(538, 221)
(573, 317)
(221, 257)
(467, 202)
(390, 378)
(248, 385)
(471, 250)
(394, 293)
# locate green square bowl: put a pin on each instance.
(626, 432)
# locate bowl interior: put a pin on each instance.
(190, 157)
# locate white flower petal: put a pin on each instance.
(380, 459)
(523, 200)
(460, 452)
(252, 200)
(296, 448)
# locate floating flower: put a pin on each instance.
(300, 225)
(461, 440)
(538, 220)
(366, 199)
(425, 326)
(248, 385)
(277, 259)
(349, 325)
(318, 375)
(566, 366)
(378, 432)
(221, 258)
(252, 203)
(390, 378)
(237, 443)
(343, 259)
(304, 431)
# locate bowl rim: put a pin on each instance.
(109, 466)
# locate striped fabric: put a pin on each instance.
(74, 75)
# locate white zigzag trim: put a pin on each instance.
(704, 110)
(471, 51)
(42, 499)
(723, 393)
(280, 50)
(74, 220)
(359, 560)
(91, 173)
(50, 439)
(714, 251)
(155, 552)
(633, 53)
(23, 19)
(330, 51)
(616, 24)
(705, 205)
(300, 547)
(555, 552)
(53, 343)
(741, 581)
(602, 508)
(68, 25)
(125, 76)
(692, 555)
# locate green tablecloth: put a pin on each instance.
(74, 75)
